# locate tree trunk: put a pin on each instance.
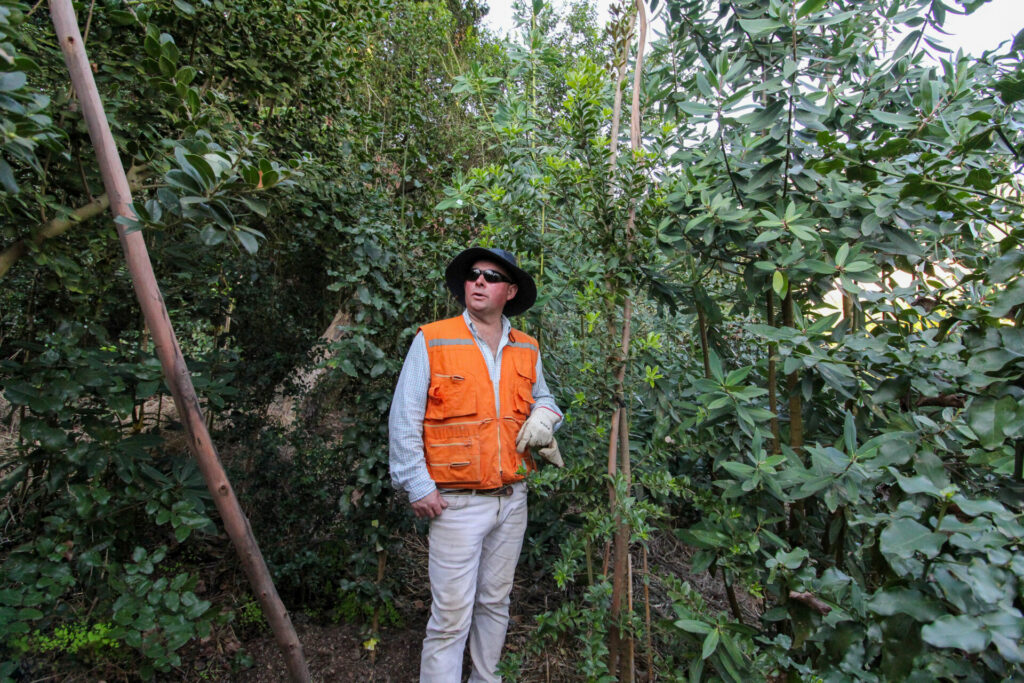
(773, 397)
(175, 371)
(796, 419)
(621, 650)
(286, 407)
(705, 347)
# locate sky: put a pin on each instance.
(997, 21)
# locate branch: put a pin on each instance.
(58, 226)
(812, 601)
(925, 179)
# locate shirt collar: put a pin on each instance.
(506, 326)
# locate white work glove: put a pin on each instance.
(552, 454)
(538, 430)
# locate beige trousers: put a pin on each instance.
(474, 548)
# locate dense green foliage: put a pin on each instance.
(814, 255)
(271, 150)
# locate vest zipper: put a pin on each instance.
(497, 416)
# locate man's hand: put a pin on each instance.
(429, 506)
(538, 430)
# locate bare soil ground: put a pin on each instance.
(336, 652)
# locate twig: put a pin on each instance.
(812, 601)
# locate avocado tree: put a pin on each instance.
(856, 184)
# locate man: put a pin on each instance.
(470, 404)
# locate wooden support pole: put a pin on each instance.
(175, 371)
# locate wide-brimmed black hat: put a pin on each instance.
(455, 277)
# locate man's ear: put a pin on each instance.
(512, 291)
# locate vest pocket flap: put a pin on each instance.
(449, 396)
(454, 462)
(526, 366)
(523, 392)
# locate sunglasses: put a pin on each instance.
(491, 276)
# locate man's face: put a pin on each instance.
(487, 298)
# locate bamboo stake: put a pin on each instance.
(166, 344)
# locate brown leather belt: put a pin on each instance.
(501, 491)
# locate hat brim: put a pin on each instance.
(455, 278)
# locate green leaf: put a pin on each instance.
(1018, 42)
(738, 469)
(858, 266)
(988, 418)
(715, 363)
(257, 206)
(703, 538)
(757, 27)
(780, 284)
(211, 235)
(202, 167)
(11, 80)
(695, 108)
(710, 644)
(1011, 89)
(963, 633)
(692, 626)
(810, 7)
(904, 537)
(905, 601)
(898, 120)
(918, 484)
(448, 203)
(185, 75)
(12, 597)
(7, 178)
(803, 233)
(248, 241)
(1010, 298)
(842, 253)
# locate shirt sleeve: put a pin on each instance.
(542, 395)
(405, 424)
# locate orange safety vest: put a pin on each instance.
(468, 441)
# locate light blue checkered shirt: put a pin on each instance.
(405, 423)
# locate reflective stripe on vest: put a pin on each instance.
(469, 442)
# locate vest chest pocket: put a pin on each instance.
(449, 396)
(523, 389)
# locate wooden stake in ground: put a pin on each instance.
(175, 371)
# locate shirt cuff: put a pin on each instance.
(560, 416)
(421, 489)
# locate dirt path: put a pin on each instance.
(336, 653)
